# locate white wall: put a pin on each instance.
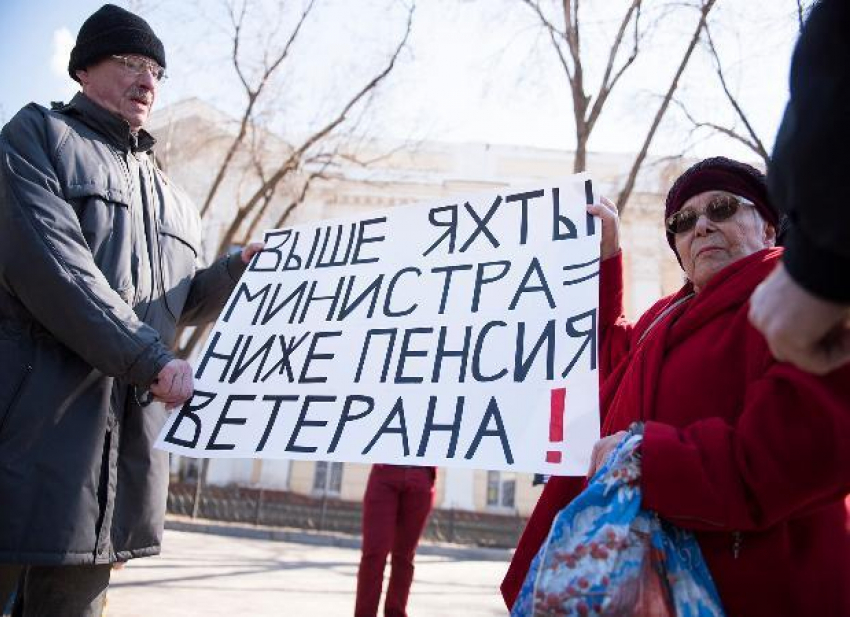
(459, 485)
(274, 474)
(223, 471)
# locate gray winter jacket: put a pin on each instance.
(97, 270)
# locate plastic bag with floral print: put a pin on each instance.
(606, 556)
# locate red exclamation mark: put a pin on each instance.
(556, 422)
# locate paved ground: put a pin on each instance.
(210, 575)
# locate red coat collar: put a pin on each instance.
(629, 392)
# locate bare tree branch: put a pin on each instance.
(252, 92)
(567, 45)
(299, 199)
(571, 28)
(325, 159)
(751, 139)
(626, 192)
(383, 156)
(296, 167)
(293, 161)
(555, 35)
(608, 82)
(755, 143)
(715, 128)
(237, 39)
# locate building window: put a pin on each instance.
(327, 478)
(501, 490)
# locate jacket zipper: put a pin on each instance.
(737, 540)
(737, 536)
(153, 202)
(124, 164)
(152, 239)
(16, 395)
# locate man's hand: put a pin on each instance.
(249, 250)
(602, 449)
(174, 384)
(607, 212)
(800, 328)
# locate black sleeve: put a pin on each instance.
(810, 166)
(210, 290)
(47, 265)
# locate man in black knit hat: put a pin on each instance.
(97, 271)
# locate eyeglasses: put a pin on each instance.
(138, 66)
(719, 209)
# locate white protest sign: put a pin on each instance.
(459, 333)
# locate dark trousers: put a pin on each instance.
(395, 509)
(56, 591)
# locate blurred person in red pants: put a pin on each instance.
(396, 504)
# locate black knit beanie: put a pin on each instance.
(113, 30)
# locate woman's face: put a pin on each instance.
(709, 246)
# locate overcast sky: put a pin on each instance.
(476, 70)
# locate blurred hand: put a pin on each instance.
(249, 250)
(174, 384)
(607, 212)
(602, 449)
(800, 328)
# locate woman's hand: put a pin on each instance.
(602, 449)
(606, 211)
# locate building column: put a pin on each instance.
(459, 488)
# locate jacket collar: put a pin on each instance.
(731, 287)
(111, 126)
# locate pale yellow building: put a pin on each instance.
(193, 138)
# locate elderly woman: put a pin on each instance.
(751, 454)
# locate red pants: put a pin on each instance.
(395, 509)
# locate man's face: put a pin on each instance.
(114, 85)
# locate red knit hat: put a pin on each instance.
(720, 174)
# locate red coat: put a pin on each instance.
(750, 453)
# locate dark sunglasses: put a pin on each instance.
(719, 209)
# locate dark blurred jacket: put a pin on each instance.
(808, 174)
